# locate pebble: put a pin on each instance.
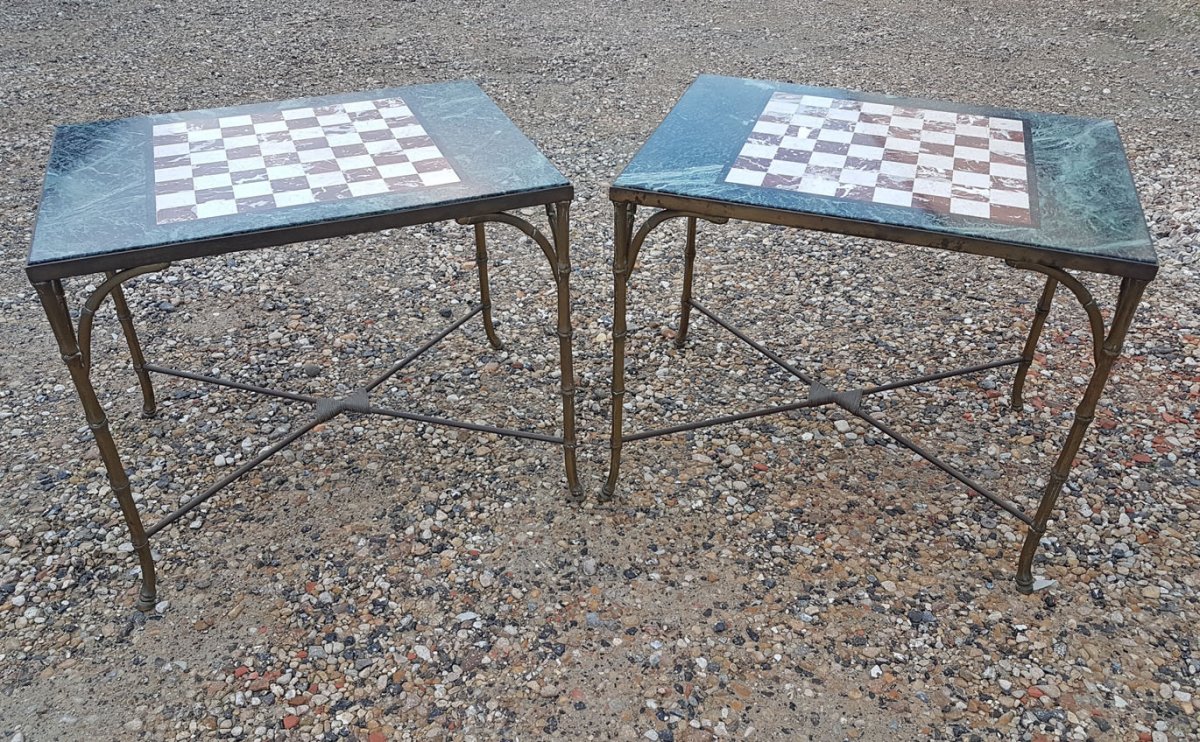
(387, 579)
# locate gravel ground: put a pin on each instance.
(787, 579)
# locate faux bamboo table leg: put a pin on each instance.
(622, 237)
(559, 216)
(54, 303)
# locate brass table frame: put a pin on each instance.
(1107, 342)
(75, 344)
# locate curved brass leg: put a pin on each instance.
(54, 304)
(685, 303)
(485, 291)
(559, 256)
(125, 317)
(1110, 350)
(1035, 332)
(626, 245)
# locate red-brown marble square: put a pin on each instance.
(321, 166)
(856, 192)
(303, 145)
(791, 155)
(283, 158)
(332, 193)
(175, 214)
(894, 182)
(298, 183)
(940, 204)
(945, 150)
(972, 166)
(1017, 135)
(173, 186)
(357, 175)
(255, 203)
(770, 140)
(241, 153)
(833, 148)
(207, 145)
(210, 168)
(869, 140)
(895, 155)
(1011, 215)
(1009, 184)
(237, 131)
(403, 182)
(431, 166)
(862, 163)
(248, 176)
(349, 150)
(389, 158)
(968, 193)
(224, 193)
(976, 142)
(162, 163)
(375, 135)
(775, 180)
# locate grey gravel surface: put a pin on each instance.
(788, 579)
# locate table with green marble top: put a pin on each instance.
(1046, 193)
(129, 197)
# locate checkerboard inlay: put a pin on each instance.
(254, 162)
(951, 163)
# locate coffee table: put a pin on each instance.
(129, 197)
(1045, 193)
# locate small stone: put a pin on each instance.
(312, 370)
(162, 606)
(423, 652)
(588, 566)
(919, 617)
(842, 426)
(290, 721)
(12, 542)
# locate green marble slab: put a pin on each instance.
(98, 207)
(1083, 205)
